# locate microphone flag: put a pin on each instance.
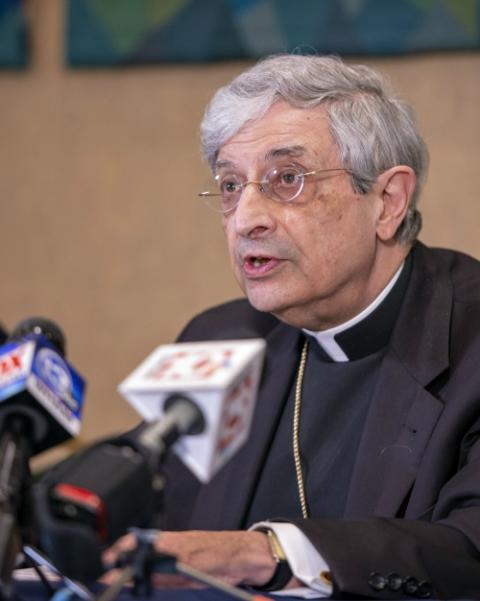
(221, 377)
(34, 376)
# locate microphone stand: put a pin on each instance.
(15, 483)
(38, 561)
(140, 565)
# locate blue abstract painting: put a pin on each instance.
(13, 34)
(125, 32)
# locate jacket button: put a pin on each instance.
(425, 590)
(394, 581)
(376, 581)
(410, 586)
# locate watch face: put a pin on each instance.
(275, 547)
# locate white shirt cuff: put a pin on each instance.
(305, 561)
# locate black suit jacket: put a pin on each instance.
(413, 505)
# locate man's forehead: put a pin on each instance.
(283, 131)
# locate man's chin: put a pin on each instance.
(268, 296)
(291, 313)
(267, 304)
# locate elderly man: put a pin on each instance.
(362, 473)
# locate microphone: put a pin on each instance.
(94, 497)
(181, 416)
(88, 501)
(110, 486)
(38, 386)
(220, 378)
(3, 334)
(40, 403)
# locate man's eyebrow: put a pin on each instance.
(221, 164)
(273, 153)
(285, 151)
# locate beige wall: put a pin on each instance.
(100, 226)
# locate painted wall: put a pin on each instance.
(101, 229)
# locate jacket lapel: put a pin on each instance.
(231, 489)
(403, 411)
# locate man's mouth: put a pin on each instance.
(257, 266)
(258, 261)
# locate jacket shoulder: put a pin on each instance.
(463, 271)
(235, 319)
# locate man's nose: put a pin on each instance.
(254, 213)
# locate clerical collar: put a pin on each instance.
(370, 330)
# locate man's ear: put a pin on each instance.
(395, 189)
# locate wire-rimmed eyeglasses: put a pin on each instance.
(283, 184)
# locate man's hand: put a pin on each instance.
(236, 557)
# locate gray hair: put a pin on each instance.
(373, 129)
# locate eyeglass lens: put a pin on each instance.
(279, 183)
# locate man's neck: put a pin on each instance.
(356, 297)
(369, 330)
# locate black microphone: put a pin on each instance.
(38, 387)
(3, 335)
(87, 502)
(36, 384)
(40, 326)
(181, 416)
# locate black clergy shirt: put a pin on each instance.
(334, 406)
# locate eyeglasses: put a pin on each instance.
(283, 184)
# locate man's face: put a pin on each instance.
(311, 262)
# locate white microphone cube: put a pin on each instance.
(221, 377)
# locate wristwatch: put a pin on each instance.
(283, 573)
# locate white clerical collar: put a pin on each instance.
(326, 338)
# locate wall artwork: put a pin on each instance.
(128, 32)
(13, 34)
